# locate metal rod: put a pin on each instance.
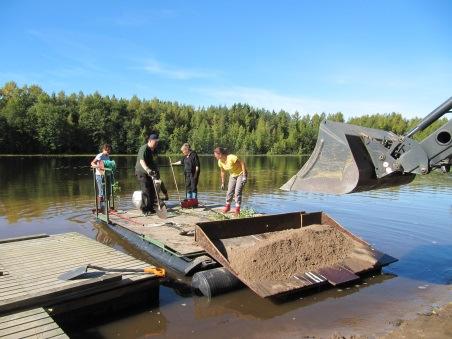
(106, 197)
(442, 109)
(112, 192)
(175, 182)
(95, 192)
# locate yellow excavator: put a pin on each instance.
(349, 158)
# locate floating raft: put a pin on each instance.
(30, 267)
(171, 241)
(35, 323)
(219, 237)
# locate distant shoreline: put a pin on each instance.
(129, 155)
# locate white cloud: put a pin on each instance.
(257, 97)
(154, 67)
(264, 98)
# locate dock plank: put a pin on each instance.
(34, 323)
(19, 315)
(28, 237)
(23, 320)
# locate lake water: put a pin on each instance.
(412, 223)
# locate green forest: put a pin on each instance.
(35, 122)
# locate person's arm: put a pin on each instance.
(177, 163)
(94, 162)
(145, 167)
(222, 173)
(196, 171)
(244, 172)
(197, 166)
(143, 163)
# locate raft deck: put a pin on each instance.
(171, 241)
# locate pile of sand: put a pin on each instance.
(283, 254)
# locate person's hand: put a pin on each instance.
(149, 172)
(244, 178)
(222, 186)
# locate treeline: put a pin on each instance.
(33, 121)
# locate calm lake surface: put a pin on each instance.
(412, 223)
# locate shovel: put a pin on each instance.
(161, 207)
(80, 271)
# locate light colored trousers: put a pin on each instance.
(235, 188)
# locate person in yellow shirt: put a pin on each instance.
(237, 177)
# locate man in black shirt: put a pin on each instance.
(192, 169)
(145, 166)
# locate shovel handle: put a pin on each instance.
(175, 181)
(157, 271)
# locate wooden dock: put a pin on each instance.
(34, 323)
(30, 267)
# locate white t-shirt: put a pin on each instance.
(101, 156)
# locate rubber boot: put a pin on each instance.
(237, 211)
(194, 202)
(226, 208)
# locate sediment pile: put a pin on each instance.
(282, 254)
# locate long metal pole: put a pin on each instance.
(175, 182)
(95, 192)
(437, 113)
(106, 196)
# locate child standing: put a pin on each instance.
(100, 173)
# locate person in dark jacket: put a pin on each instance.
(146, 167)
(192, 168)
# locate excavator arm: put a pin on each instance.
(349, 158)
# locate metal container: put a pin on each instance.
(216, 236)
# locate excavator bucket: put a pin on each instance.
(340, 162)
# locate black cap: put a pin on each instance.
(153, 137)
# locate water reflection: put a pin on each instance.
(412, 223)
(146, 323)
(41, 186)
(246, 304)
(416, 264)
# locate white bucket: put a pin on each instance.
(136, 199)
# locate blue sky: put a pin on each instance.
(358, 57)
